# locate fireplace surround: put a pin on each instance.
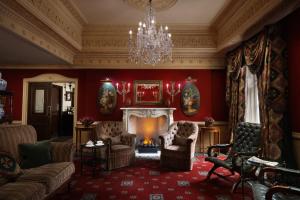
(147, 124)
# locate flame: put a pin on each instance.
(147, 141)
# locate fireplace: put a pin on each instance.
(147, 124)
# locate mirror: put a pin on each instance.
(148, 92)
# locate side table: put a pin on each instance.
(93, 160)
(91, 130)
(211, 131)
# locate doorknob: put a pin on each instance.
(49, 110)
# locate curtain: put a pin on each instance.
(265, 57)
(273, 89)
(251, 98)
(235, 88)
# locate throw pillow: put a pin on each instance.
(116, 140)
(35, 155)
(9, 167)
(181, 141)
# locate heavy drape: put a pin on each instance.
(265, 56)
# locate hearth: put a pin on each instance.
(147, 145)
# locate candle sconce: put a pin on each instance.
(123, 91)
(172, 90)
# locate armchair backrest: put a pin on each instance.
(247, 137)
(109, 128)
(184, 128)
(13, 135)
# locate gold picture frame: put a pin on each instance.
(148, 92)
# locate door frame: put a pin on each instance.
(47, 77)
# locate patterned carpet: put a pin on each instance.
(146, 180)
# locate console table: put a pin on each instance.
(210, 131)
(91, 130)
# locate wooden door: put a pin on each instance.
(44, 107)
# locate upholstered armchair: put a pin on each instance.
(121, 152)
(246, 143)
(276, 183)
(178, 145)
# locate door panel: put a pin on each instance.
(39, 107)
(44, 108)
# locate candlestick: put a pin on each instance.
(123, 91)
(172, 91)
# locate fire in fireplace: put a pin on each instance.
(147, 134)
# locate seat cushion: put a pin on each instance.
(119, 147)
(22, 191)
(259, 192)
(52, 175)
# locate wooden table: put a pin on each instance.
(211, 131)
(91, 130)
(93, 160)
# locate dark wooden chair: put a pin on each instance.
(276, 183)
(246, 143)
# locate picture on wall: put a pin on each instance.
(107, 97)
(190, 98)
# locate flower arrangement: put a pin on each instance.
(87, 121)
(209, 121)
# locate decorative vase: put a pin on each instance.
(2, 113)
(3, 83)
(207, 123)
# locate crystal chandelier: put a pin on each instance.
(151, 46)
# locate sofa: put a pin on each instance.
(121, 152)
(39, 182)
(178, 145)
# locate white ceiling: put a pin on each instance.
(118, 12)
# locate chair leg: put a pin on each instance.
(235, 185)
(211, 172)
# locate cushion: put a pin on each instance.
(181, 141)
(34, 155)
(51, 175)
(22, 191)
(115, 140)
(3, 180)
(9, 167)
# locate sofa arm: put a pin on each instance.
(128, 139)
(62, 151)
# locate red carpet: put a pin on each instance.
(147, 181)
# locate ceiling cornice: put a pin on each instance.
(58, 27)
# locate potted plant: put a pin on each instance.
(87, 121)
(209, 121)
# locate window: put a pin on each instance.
(251, 98)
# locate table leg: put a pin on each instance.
(81, 161)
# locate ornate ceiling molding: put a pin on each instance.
(29, 28)
(74, 10)
(159, 5)
(181, 60)
(57, 17)
(241, 16)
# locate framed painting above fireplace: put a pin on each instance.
(148, 92)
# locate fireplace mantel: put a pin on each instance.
(146, 112)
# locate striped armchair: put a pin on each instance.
(121, 151)
(178, 145)
(39, 182)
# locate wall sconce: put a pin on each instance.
(172, 91)
(123, 91)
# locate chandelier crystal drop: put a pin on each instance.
(151, 46)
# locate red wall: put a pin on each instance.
(293, 45)
(211, 85)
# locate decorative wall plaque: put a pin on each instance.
(190, 98)
(107, 97)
